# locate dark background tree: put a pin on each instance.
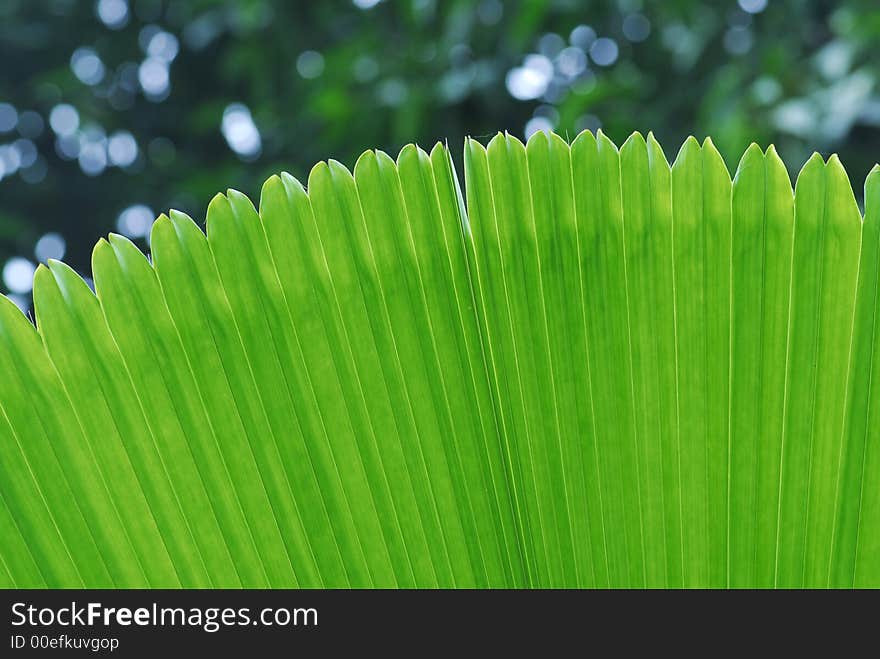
(113, 111)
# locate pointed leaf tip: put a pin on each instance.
(408, 151)
(218, 199)
(753, 158)
(814, 166)
(496, 141)
(318, 170)
(815, 159)
(634, 141)
(514, 142)
(605, 141)
(286, 177)
(271, 189)
(55, 265)
(835, 167)
(558, 140)
(774, 162)
(367, 159)
(656, 153)
(337, 169)
(122, 245)
(237, 196)
(753, 148)
(712, 153)
(585, 136)
(439, 147)
(839, 184)
(102, 253)
(162, 221)
(538, 137)
(690, 148)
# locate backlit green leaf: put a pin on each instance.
(588, 368)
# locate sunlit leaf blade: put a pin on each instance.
(857, 540)
(439, 279)
(825, 267)
(302, 275)
(701, 202)
(136, 315)
(556, 241)
(585, 369)
(598, 203)
(763, 226)
(647, 205)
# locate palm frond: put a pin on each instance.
(590, 369)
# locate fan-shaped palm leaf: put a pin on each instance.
(599, 371)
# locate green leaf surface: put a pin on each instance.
(763, 217)
(588, 368)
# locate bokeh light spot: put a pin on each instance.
(92, 159)
(582, 36)
(310, 64)
(8, 117)
(365, 68)
(738, 40)
(135, 221)
(92, 150)
(393, 92)
(50, 246)
(113, 13)
(636, 28)
(87, 66)
(571, 62)
(766, 90)
(67, 147)
(18, 275)
(489, 12)
(530, 80)
(122, 148)
(153, 78)
(240, 131)
(551, 44)
(163, 45)
(604, 51)
(753, 6)
(10, 160)
(64, 119)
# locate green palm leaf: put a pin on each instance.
(593, 370)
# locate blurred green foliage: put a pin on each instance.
(165, 102)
